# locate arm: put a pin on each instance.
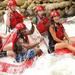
(66, 37)
(52, 31)
(3, 36)
(28, 46)
(31, 31)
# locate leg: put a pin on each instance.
(72, 40)
(64, 45)
(8, 47)
(11, 53)
(7, 53)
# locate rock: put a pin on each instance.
(31, 6)
(49, 4)
(70, 11)
(3, 3)
(57, 5)
(25, 5)
(20, 2)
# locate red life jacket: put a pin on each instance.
(59, 31)
(15, 18)
(41, 26)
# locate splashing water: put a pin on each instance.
(52, 65)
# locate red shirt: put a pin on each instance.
(42, 25)
(59, 31)
(15, 18)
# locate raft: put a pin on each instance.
(66, 51)
(14, 68)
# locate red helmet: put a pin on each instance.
(20, 26)
(11, 3)
(54, 13)
(39, 8)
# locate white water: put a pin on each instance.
(52, 65)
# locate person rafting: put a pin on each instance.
(20, 44)
(13, 16)
(23, 46)
(41, 20)
(57, 34)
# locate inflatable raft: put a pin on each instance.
(18, 68)
(14, 68)
(66, 51)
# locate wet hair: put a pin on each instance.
(52, 21)
(17, 46)
(21, 36)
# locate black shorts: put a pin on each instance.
(51, 48)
